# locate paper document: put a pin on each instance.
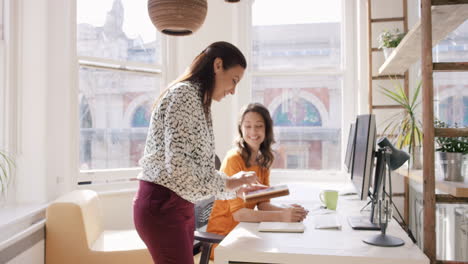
(327, 221)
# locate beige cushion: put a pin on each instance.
(74, 234)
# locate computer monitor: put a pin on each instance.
(363, 158)
(362, 167)
(375, 189)
(380, 169)
(350, 147)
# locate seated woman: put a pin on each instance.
(252, 153)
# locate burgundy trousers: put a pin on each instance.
(165, 222)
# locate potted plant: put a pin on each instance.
(452, 154)
(404, 128)
(6, 166)
(389, 40)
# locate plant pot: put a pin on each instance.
(387, 52)
(453, 165)
(416, 161)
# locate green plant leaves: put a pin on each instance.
(390, 39)
(404, 125)
(450, 144)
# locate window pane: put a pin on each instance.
(115, 108)
(306, 108)
(306, 111)
(307, 36)
(451, 98)
(117, 29)
(451, 88)
(454, 48)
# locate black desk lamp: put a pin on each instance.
(397, 157)
(394, 158)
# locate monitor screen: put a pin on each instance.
(364, 149)
(350, 147)
(376, 182)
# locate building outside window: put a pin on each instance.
(297, 74)
(120, 62)
(451, 88)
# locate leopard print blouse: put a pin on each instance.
(179, 152)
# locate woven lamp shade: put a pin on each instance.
(177, 17)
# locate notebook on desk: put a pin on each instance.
(281, 227)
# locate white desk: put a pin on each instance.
(246, 244)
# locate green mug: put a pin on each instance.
(329, 198)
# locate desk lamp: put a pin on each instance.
(394, 158)
(397, 157)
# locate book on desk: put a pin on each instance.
(265, 194)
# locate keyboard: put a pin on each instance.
(327, 221)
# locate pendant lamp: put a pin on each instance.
(177, 17)
(231, 1)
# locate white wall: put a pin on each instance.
(46, 148)
(32, 102)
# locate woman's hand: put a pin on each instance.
(246, 177)
(294, 213)
(241, 178)
(298, 206)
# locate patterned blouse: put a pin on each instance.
(179, 152)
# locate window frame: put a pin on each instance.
(115, 178)
(10, 88)
(347, 72)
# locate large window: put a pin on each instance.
(297, 73)
(120, 62)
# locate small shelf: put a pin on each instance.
(445, 19)
(456, 189)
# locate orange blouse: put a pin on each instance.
(221, 219)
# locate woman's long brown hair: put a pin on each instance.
(201, 70)
(266, 158)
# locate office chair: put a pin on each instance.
(204, 240)
(75, 234)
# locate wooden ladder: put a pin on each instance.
(372, 77)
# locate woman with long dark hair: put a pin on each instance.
(178, 162)
(252, 152)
